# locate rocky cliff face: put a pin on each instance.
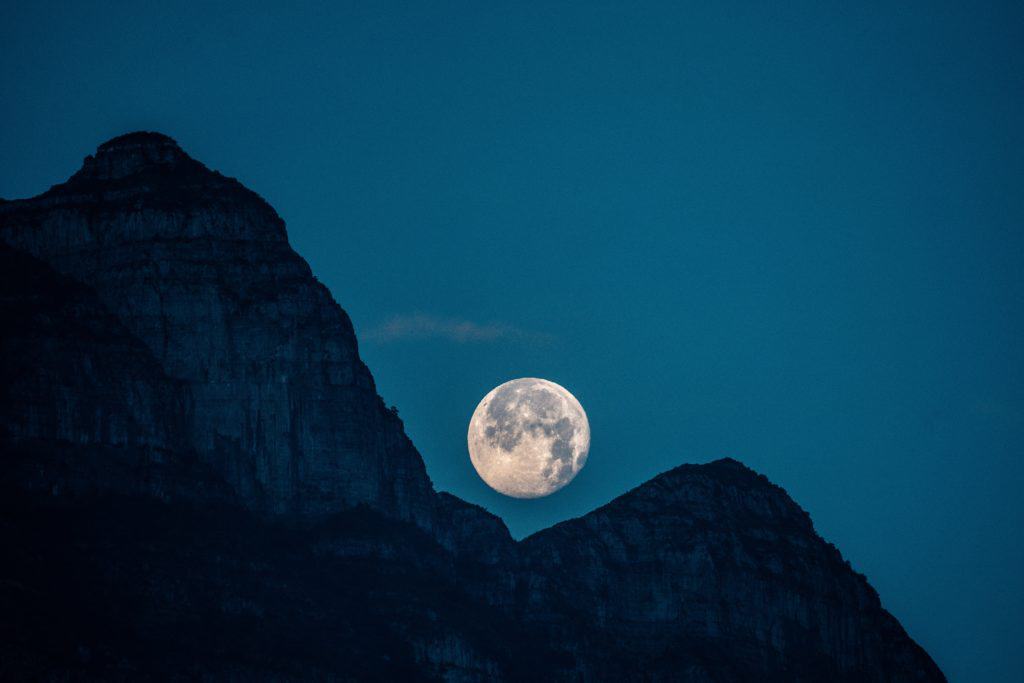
(84, 407)
(199, 480)
(70, 369)
(198, 268)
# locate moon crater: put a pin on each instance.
(528, 438)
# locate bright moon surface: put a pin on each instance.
(528, 438)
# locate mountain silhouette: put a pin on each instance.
(199, 480)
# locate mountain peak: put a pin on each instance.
(731, 463)
(127, 154)
(143, 138)
(151, 190)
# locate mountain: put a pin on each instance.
(712, 570)
(198, 269)
(200, 481)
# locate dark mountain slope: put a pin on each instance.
(715, 567)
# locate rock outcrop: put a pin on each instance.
(198, 480)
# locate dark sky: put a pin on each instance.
(790, 236)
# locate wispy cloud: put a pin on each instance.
(425, 326)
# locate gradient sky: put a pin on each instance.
(792, 236)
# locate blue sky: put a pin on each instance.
(788, 235)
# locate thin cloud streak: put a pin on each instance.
(418, 326)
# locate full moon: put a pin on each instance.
(528, 438)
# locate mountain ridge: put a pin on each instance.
(228, 393)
